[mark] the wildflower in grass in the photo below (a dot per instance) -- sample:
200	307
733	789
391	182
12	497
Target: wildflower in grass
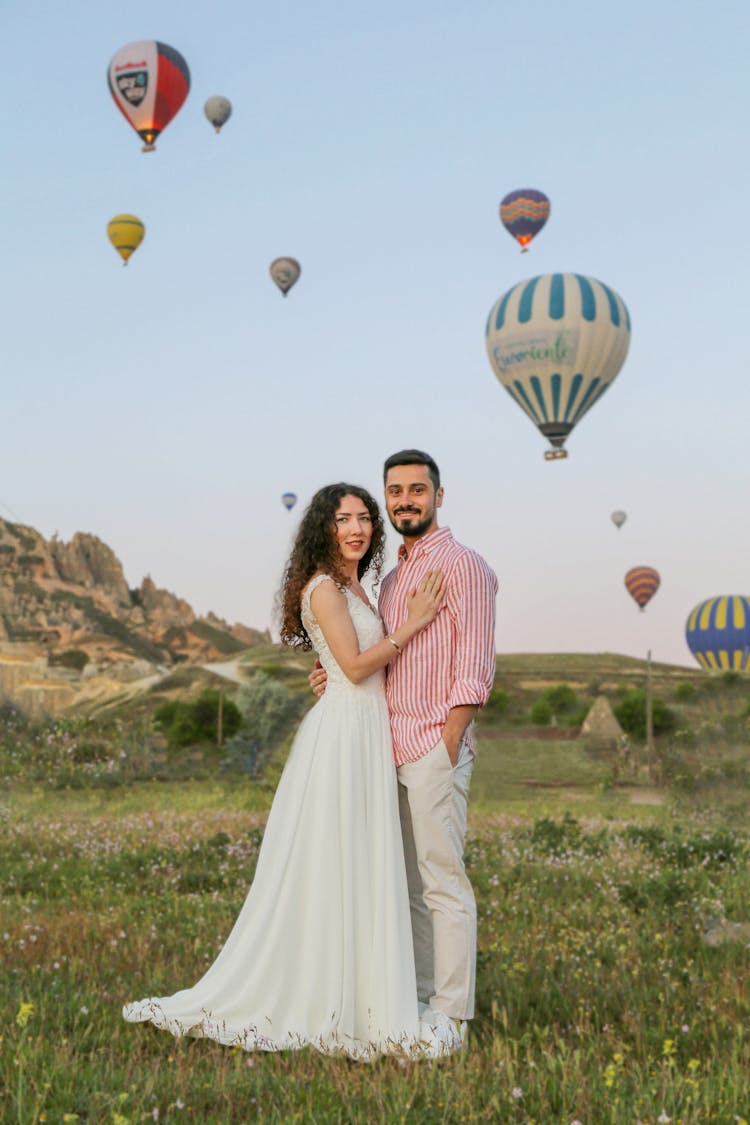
693	1065
668	1051
24	1014
69	1117
516	1092
663	1119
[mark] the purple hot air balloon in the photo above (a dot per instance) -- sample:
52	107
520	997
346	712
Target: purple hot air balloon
523	214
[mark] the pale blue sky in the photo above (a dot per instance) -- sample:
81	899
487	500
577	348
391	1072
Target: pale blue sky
167	406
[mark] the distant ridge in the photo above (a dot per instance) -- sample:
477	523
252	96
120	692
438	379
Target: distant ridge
70	604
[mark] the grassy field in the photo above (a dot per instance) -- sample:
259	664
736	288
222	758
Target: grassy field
612	974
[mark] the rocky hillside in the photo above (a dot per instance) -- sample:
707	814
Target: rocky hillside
71	603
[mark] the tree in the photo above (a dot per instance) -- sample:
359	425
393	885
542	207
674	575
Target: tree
185	724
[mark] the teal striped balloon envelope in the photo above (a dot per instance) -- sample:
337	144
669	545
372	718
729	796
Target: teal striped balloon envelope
556	343
718	632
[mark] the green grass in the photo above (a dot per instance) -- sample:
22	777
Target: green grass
597	999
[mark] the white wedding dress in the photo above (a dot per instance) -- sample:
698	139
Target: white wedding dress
321	953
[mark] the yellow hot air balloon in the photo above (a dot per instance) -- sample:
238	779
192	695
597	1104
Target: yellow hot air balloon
125	232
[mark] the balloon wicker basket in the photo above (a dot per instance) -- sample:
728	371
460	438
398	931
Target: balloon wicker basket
555	454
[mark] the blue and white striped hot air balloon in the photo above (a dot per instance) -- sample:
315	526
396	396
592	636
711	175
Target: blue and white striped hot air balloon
718	633
556	343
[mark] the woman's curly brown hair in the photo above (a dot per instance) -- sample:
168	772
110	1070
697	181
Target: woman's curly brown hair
315	548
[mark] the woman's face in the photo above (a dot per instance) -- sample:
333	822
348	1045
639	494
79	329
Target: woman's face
353	528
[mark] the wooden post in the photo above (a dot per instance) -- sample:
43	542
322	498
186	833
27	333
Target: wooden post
649	720
220	719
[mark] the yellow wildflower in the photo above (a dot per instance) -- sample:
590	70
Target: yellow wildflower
24	1014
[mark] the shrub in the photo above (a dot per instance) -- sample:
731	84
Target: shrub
541	713
497	704
685	693
558	704
631	714
267	708
561	698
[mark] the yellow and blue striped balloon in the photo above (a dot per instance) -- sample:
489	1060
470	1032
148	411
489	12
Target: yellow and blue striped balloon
556	343
718	633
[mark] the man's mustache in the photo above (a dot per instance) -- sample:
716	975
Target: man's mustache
406	511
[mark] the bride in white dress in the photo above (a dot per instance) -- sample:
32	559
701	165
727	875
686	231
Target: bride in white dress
321	953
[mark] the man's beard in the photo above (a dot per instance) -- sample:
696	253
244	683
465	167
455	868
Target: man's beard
416	529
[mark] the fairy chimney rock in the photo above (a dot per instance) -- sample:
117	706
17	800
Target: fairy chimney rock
600	727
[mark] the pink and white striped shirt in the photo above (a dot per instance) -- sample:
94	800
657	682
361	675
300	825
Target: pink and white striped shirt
452	661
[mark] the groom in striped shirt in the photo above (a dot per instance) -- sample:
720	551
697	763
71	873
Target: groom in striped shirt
435	688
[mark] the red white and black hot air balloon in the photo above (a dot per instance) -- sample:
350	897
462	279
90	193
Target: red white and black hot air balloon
149	81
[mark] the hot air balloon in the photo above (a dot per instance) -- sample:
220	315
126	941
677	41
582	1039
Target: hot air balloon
149	81
289	499
556	343
285	273
718	632
523	213
618	519
642	582
125	232
218	111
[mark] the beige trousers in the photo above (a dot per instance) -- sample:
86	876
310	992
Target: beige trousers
433	799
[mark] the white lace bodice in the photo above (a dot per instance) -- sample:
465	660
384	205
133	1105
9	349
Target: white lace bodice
367	625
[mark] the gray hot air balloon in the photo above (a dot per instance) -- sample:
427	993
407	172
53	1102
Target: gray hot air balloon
285	272
618	519
218	110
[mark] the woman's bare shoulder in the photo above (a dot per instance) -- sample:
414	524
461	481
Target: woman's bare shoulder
323	591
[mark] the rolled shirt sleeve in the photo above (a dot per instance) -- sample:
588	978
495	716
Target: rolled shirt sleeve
473	594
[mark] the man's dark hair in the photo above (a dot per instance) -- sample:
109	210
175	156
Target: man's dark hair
413	457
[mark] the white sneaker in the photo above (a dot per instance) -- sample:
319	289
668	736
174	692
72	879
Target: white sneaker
444	1036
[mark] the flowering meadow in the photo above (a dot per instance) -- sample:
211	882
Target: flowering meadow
612	982
614	937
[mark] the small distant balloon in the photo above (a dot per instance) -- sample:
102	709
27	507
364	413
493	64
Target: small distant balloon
618	519
218	110
125	232
642	582
285	273
718	633
523	213
289	499
148	81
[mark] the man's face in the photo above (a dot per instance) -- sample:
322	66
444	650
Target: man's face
411	500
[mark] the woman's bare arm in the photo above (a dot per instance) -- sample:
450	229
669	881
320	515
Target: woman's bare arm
330	608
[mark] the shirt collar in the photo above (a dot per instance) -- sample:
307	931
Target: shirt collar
425	544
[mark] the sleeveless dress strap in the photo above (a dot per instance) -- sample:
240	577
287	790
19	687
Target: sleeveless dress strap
312	585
